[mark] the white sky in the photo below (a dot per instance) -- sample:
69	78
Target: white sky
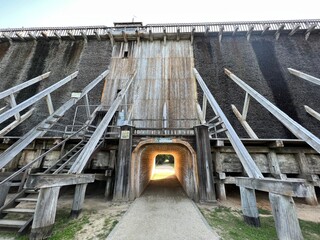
41	13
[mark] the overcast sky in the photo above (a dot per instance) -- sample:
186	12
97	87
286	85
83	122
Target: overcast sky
42	13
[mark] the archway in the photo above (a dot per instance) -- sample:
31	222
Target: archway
142	165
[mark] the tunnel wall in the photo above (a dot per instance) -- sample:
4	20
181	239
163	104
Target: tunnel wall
21	61
262	63
143	163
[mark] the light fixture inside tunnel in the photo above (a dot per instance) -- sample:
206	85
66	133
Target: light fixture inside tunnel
163	167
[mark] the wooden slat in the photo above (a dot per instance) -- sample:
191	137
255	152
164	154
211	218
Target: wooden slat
12	223
18	210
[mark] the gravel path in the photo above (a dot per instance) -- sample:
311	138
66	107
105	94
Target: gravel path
163	212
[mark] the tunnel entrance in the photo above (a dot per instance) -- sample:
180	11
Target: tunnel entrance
145	156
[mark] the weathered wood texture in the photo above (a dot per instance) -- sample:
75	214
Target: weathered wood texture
205	168
122	170
249	207
57	180
4	189
78	200
45	213
286	220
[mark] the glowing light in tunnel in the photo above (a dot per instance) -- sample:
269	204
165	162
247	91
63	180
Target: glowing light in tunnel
162	171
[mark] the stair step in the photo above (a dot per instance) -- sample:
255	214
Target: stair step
26	200
15	184
12	223
32	191
18	210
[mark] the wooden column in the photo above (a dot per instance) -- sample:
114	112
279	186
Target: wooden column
78	200
4	189
204	160
45	213
109	184
122	168
286	220
220	186
249	207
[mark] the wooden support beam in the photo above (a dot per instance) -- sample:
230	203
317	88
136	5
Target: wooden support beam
15	123
304	76
298	130
44	34
49	104
45	213
6	36
57	180
294	29
178	34
192	35
164	36
221	29
84	35
265	29
122	177
204	161
111	37
274	166
97	35
71	36
200	114
87	105
150	35
246	106
4	190
13	104
204	106
138	36
309	30
246	160
249	207
235	30
278	32
36	97
244	123
32	36
125	36
23	85
20	37
292	188
312	112
250	30
207	29
286	220
78	200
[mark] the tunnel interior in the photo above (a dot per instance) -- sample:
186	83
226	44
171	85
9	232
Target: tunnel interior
144	162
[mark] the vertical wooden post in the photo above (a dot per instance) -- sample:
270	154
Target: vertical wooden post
45	213
4	189
274	166
108	191
204	160
285	217
249	207
78	200
220	186
122	168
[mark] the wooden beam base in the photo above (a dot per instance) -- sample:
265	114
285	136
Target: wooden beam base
249	207
78	200
285	217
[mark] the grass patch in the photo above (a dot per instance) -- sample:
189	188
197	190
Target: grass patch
230	225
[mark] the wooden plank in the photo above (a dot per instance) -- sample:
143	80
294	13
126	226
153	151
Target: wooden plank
293	188
19	210
304	76
312	112
57	180
11	223
45	213
286	220
274	166
78	200
249	207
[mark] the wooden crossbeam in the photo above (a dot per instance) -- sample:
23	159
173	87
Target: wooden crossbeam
39	181
292	188
304	76
312	112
